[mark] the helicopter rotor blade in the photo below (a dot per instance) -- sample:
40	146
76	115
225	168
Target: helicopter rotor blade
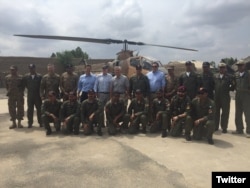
102	41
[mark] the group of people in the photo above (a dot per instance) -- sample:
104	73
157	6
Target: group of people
190	103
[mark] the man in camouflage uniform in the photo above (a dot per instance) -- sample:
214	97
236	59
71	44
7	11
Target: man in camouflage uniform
190	80
50	82
139	81
160	111
179	111
90	114
207	79
224	83
138	111
32	82
115	111
242	98
68	82
172	83
70	114
50	112
15	92
202	114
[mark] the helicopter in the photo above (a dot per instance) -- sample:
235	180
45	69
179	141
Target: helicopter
125	58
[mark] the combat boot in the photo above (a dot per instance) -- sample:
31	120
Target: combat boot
210	141
99	133
13	126
19	125
164	133
188	138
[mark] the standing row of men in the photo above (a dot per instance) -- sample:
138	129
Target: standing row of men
150	86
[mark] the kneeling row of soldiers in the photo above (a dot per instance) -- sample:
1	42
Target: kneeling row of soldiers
168	116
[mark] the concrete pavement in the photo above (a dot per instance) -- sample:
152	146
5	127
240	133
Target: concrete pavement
30	159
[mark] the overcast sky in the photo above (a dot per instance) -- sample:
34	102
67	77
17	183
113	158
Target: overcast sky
218	28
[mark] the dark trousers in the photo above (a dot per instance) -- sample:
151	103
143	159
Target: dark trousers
47	120
34	102
84	96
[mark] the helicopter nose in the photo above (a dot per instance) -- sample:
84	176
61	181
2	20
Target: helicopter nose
163	70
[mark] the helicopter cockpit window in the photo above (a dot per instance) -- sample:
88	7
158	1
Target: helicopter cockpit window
147	65
134	62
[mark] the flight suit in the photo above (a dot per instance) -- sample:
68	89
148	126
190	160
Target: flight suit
112	111
242	101
71	110
140	111
207	81
50	83
179	106
51	108
206	111
15	93
87	108
161	108
139	82
68	83
223	86
32	83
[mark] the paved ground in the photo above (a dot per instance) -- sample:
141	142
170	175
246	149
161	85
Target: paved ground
30	159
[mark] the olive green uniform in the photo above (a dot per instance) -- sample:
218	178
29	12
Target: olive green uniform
191	82
180	106
223	86
139	82
160	107
68	83
112	111
50	83
71	110
242	101
140	110
51	108
32	83
15	93
171	86
87	108
205	110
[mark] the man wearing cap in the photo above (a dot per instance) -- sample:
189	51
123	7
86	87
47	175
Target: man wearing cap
190	80
70	114
207	79
102	89
202	114
138	111
86	82
179	111
160	112
224	83
15	91
90	114
172	80
32	81
115	110
68	82
50	82
51	112
139	81
242	102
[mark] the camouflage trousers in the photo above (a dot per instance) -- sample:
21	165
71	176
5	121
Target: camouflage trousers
16	107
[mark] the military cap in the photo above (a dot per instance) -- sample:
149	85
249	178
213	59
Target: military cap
202	90
188	63
240	62
222	65
138	67
205	64
13	67
32	66
91	91
105	67
182	89
170	67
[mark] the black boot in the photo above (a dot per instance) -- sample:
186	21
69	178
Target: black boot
164	133
210	141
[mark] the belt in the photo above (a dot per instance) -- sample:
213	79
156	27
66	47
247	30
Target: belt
104	92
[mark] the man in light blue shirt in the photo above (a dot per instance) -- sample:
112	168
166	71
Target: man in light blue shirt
102	88
157	81
86	82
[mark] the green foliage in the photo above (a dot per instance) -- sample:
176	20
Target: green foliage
66	57
229	61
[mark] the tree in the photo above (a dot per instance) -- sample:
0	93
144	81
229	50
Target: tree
66	57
